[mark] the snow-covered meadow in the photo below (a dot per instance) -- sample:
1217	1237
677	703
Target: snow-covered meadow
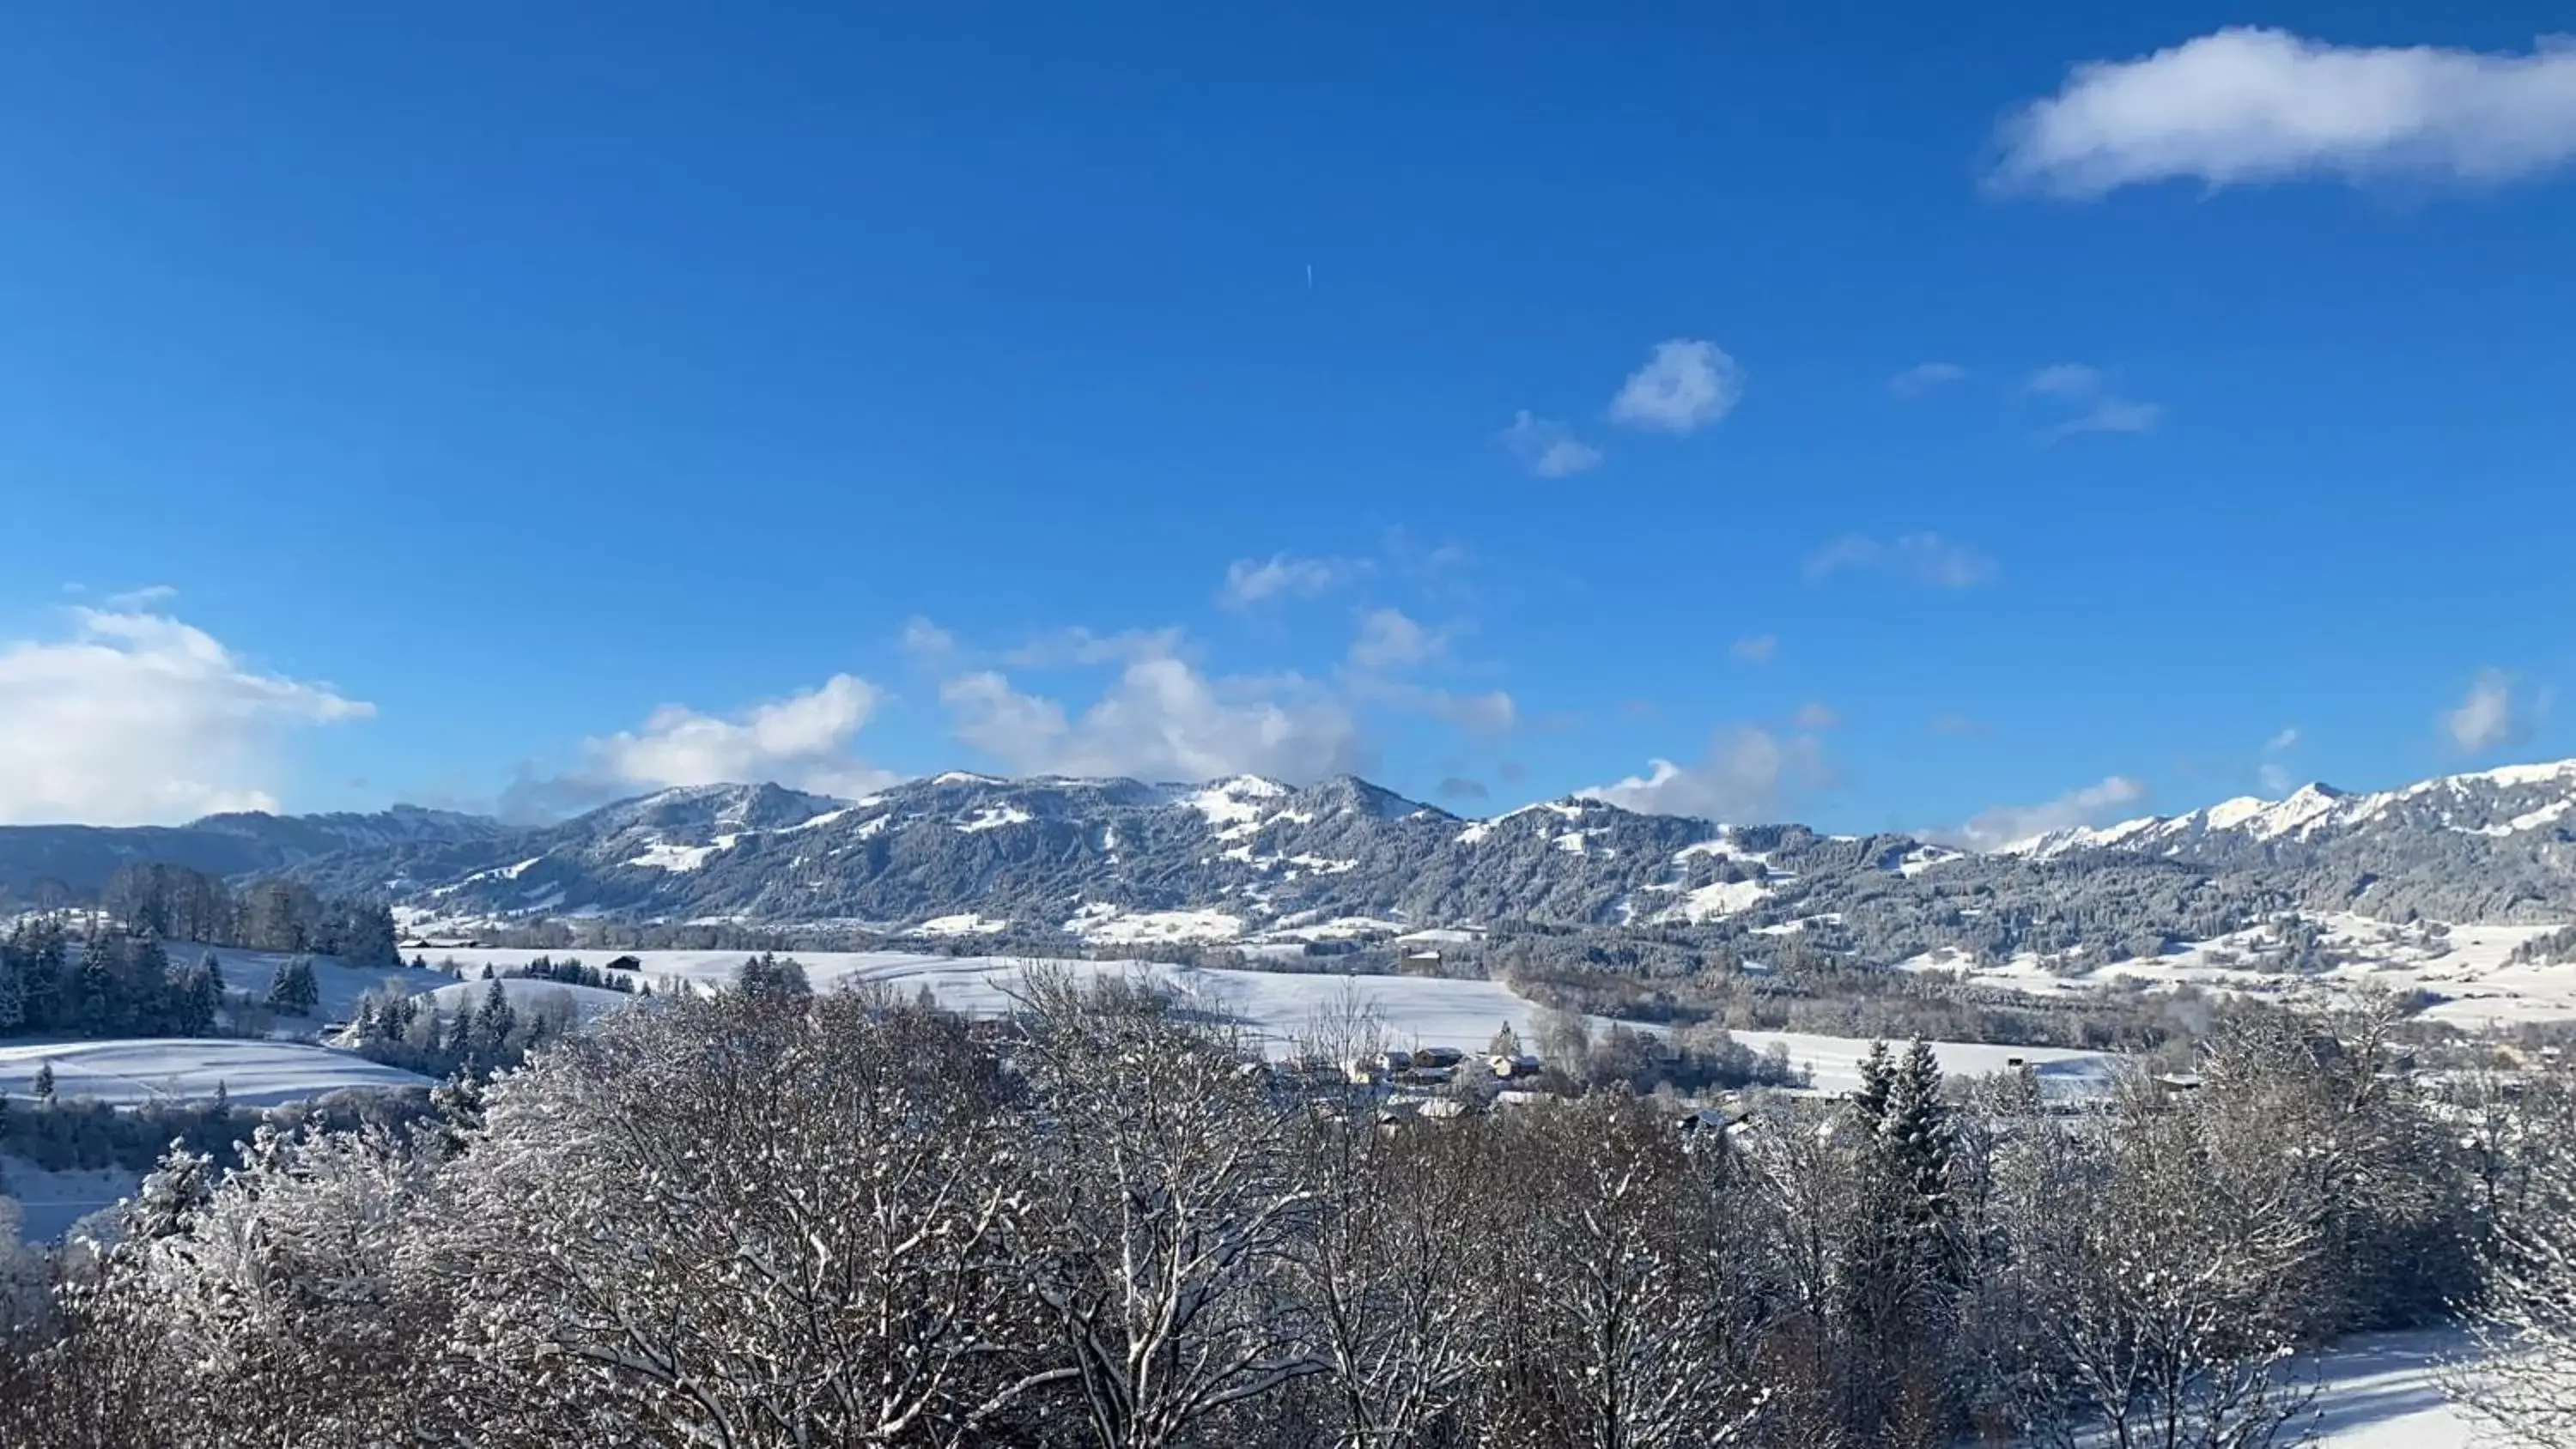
1276	1008
2468	967
130	1073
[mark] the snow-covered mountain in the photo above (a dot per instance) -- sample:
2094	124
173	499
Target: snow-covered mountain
2500	803
1058	860
77	859
2494	845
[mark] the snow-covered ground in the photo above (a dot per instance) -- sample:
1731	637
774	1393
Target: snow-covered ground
1835	1060
2466	966
2380	1392
1275	1006
187	1069
526	995
340	985
50	1202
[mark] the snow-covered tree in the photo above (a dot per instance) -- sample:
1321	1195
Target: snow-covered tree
1166	1211
292	989
2522	1381
750	1221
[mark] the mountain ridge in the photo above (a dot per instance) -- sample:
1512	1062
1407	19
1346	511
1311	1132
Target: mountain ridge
1244	859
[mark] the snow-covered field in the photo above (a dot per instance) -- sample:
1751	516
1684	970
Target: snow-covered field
1274	1006
526	995
188	1069
1835	1060
2381	1392
50	1202
2465	966
340	985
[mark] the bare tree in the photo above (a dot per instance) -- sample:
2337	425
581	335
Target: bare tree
2522	1379
762	1218
1388	1272
2161	1296
1166	1214
1617	1311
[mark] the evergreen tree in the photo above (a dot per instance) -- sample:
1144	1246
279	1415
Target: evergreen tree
44	1084
771	975
1506	1043
293	990
459	1103
460	1034
40	952
167	1204
13	995
204	996
495	1023
1877	1080
98	1003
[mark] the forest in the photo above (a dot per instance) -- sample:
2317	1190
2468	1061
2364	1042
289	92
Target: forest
767	1217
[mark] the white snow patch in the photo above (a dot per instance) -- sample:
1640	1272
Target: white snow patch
1722	898
1102	922
662	855
967	924
994	817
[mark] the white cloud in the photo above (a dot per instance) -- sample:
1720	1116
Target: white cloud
1078	645
146	600
2245	105
1391	639
1546	447
2487	717
1161	720
2109	415
929	645
1684	386
2271	773
2091	805
2066	379
1491	713
1923	558
2100	409
1749	774
1281	576
1924	377
802	741
1815	714
137	717
1755	648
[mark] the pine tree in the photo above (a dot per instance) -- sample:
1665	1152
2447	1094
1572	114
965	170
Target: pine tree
1506	1043
13	994
496	1022
774	976
293	990
45	1084
1877	1080
459	1103
167	1204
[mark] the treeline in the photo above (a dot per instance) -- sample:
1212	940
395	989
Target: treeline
57	1135
110	983
272	914
771	1219
411	1031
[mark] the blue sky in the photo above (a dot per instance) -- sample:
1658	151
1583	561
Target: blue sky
1874	416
